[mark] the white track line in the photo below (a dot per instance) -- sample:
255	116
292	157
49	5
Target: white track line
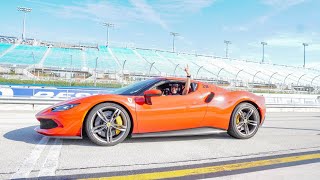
51	163
27	166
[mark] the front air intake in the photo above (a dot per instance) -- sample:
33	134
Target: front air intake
47	124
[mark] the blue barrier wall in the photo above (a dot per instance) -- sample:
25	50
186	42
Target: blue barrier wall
50	92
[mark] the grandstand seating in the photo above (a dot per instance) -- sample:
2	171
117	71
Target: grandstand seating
138	61
4	47
133	62
176	59
160	64
104	62
22	54
63	57
218	68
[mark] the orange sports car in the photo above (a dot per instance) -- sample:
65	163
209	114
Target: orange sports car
146	107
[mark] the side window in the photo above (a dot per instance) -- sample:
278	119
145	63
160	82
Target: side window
174	87
164	88
171	88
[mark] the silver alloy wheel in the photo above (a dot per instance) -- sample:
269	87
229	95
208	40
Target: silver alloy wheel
104	126
248	122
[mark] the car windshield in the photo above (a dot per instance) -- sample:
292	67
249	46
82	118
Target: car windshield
133	89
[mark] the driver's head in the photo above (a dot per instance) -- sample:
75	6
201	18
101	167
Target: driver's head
174	88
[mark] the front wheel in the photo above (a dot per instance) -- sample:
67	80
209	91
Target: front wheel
108	124
244	122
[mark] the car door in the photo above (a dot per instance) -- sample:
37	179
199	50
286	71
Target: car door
171	112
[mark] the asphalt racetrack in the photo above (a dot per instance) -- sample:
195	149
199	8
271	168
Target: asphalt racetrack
287	146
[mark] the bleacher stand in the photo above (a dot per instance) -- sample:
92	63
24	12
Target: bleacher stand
140	63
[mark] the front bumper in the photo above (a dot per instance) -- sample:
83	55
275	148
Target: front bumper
65	123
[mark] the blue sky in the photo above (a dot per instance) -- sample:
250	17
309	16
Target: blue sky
203	25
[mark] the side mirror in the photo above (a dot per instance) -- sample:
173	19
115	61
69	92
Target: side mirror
149	93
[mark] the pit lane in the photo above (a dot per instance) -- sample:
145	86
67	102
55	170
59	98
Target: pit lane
26	154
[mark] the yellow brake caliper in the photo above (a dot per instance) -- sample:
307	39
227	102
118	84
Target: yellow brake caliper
119	122
238	119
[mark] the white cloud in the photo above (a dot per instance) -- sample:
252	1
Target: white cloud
43	3
148	12
99	11
285	41
185	40
313	47
282	4
287	48
157	12
278	7
183	5
291	40
235	28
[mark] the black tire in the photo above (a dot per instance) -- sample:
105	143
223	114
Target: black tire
103	133
240	123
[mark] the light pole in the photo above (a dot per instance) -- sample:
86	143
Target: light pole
173	34
304	54
95	73
227	46
108	25
25	10
71	70
34	68
263	44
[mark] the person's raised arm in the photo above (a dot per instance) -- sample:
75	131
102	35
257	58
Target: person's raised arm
188	82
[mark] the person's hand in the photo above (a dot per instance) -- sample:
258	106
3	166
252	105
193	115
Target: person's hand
186	69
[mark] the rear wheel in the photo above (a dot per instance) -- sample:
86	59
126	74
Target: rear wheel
244	122
108	124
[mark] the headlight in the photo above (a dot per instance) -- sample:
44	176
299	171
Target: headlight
63	107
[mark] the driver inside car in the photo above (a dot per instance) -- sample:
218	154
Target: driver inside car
175	87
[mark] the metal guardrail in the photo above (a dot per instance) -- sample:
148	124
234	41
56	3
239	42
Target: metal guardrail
292	101
291	106
30	100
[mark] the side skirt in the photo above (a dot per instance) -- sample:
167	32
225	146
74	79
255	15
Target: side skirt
66	137
185	132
